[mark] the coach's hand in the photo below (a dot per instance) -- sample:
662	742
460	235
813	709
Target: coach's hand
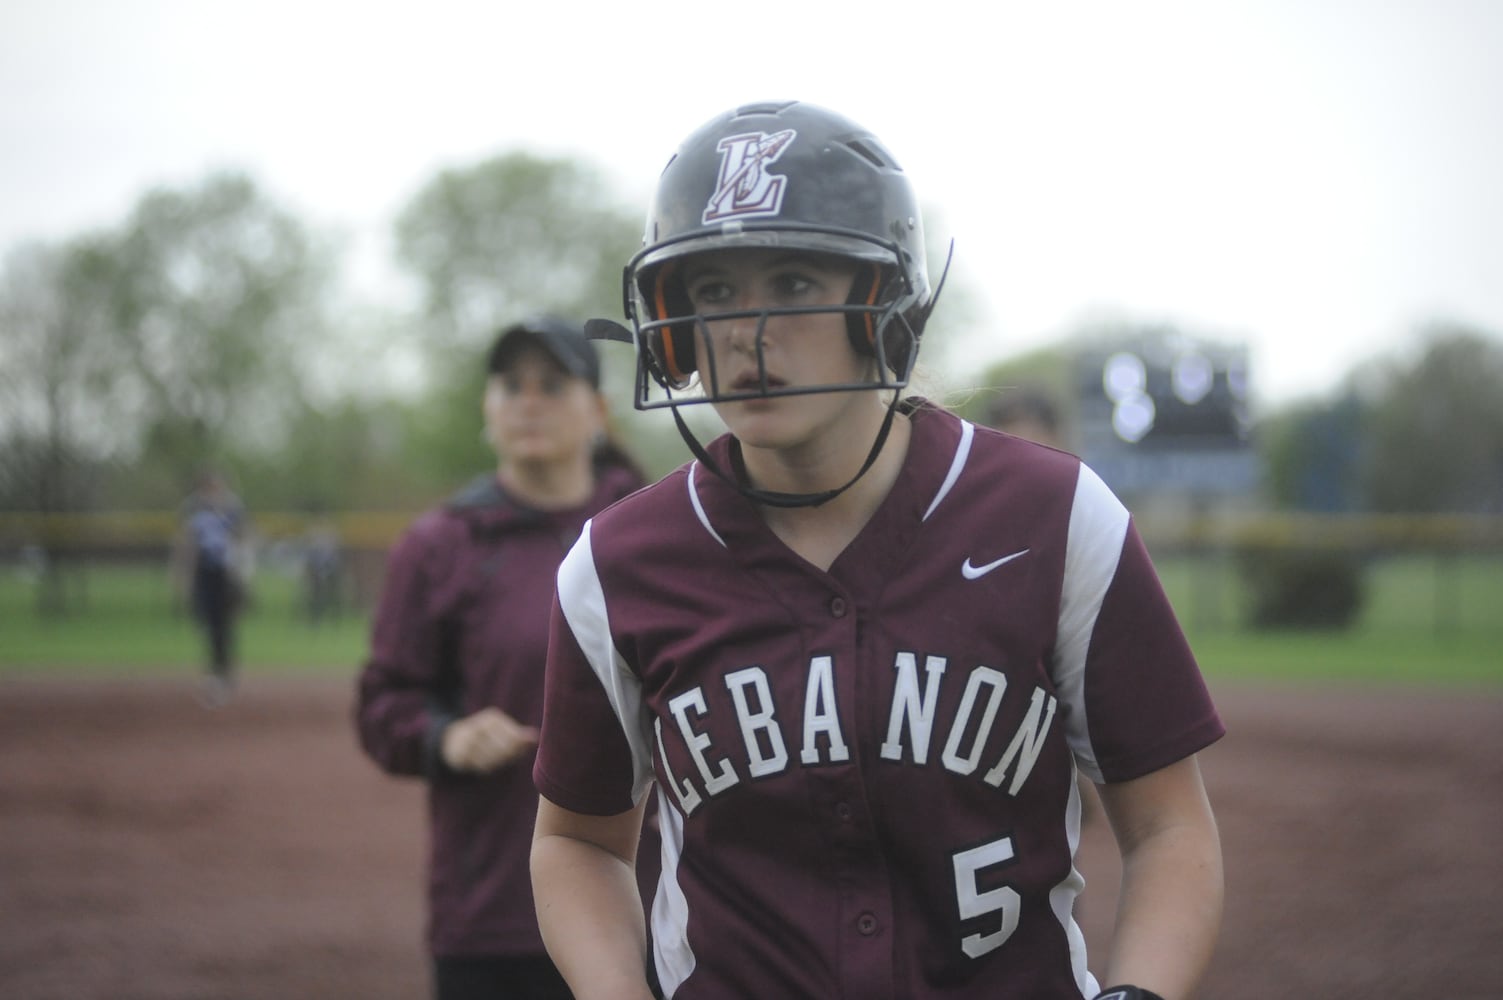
486	741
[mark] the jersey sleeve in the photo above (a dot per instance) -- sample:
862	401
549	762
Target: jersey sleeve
400	703
1138	700
594	754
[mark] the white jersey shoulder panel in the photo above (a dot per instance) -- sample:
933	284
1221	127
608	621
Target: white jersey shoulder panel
582	600
1098	528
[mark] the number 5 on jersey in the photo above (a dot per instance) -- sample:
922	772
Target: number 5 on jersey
974	902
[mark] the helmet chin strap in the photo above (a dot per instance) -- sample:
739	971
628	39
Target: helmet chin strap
772	498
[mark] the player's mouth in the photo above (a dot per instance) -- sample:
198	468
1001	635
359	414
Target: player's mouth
751	382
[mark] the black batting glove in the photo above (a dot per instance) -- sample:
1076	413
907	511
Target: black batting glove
1127	993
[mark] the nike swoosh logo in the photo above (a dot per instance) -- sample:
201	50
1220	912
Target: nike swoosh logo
977	572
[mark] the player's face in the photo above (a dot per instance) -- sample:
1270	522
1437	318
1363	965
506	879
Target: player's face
535	412
797	350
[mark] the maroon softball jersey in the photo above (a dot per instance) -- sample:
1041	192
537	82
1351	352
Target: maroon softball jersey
866	776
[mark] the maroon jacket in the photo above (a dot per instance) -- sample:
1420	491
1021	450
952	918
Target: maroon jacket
462	624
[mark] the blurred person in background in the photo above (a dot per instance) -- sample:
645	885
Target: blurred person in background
1028	412
211	565
323	570
452	691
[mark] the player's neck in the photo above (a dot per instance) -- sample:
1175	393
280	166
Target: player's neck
819	534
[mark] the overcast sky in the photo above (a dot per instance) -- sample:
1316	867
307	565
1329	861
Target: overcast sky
1313	177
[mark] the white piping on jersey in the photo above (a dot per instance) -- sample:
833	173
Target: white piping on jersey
699	509
1062	897
1098	528
582	601
962	450
671	953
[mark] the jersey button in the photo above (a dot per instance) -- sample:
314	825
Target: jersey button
837	607
843	811
867	924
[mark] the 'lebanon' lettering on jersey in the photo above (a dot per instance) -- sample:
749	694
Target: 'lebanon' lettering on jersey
867	775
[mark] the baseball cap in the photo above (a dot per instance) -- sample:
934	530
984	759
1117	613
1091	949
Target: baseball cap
565	343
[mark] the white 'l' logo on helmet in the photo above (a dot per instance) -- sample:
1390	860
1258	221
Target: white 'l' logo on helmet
745	187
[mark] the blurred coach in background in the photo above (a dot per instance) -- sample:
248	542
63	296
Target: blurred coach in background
453	689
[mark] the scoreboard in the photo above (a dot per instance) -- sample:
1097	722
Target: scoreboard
1166	414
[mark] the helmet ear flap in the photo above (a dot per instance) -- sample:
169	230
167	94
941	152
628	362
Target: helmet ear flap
861	326
671	346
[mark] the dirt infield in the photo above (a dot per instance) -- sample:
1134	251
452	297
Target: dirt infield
150	848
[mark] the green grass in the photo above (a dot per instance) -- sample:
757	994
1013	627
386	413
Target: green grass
1412	593
1426	621
1445	594
126	621
1416	657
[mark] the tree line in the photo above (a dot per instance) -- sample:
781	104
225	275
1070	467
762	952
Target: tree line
211	327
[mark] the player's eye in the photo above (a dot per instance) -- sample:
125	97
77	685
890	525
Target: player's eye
709	292
789	285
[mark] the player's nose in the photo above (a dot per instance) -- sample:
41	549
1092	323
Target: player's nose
737	332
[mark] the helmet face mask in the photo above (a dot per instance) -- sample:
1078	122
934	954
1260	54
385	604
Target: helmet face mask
786	176
670	349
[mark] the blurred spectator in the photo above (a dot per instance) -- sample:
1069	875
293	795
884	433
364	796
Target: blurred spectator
213	566
1027	412
323	572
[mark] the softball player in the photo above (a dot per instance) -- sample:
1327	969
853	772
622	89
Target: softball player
453	689
210	556
859	647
